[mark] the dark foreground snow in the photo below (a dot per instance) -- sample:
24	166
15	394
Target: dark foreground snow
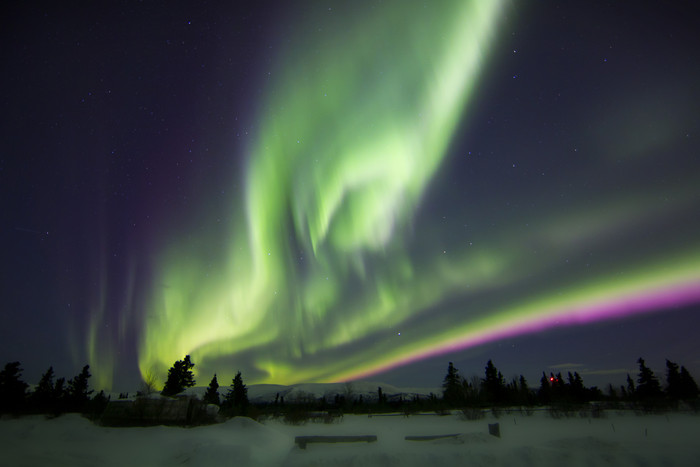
537	440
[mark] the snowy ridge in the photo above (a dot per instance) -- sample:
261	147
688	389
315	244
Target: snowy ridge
262	393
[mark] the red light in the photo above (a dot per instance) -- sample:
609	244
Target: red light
551	379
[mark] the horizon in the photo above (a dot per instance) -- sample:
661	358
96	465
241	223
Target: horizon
533	383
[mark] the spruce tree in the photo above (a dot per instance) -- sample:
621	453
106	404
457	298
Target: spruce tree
212	394
240	391
180	376
523	390
559	390
544	394
673	381
97	405
689	388
493	384
630	387
577	390
623	393
59	391
648	386
469	392
452	386
236	401
78	392
13	391
43	396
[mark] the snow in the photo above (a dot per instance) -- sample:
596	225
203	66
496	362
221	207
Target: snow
619	439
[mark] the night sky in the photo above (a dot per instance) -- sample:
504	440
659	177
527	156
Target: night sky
327	191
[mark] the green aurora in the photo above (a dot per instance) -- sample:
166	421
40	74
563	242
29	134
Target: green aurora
322	274
351	134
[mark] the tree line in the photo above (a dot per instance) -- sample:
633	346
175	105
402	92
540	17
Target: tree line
493	390
56	395
180	377
51	396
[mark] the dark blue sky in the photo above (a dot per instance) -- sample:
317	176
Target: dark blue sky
126	131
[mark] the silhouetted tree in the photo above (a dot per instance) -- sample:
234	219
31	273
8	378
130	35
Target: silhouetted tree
236	400
43	396
59	395
559	389
524	396
493	385
381	397
648	386
212	394
631	389
13	391
689	388
78	392
544	393
180	376
452	386
97	405
623	392
577	390
470	390
673	381
594	394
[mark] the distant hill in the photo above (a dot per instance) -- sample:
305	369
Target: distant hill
261	393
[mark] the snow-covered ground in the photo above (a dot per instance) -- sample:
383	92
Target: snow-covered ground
537	440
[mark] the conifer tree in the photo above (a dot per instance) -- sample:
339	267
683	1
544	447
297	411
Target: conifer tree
212	394
623	392
236	401
78	392
558	386
689	388
493	384
673	381
648	386
576	388
43	395
452	385
13	390
544	394
631	389
469	391
180	376
523	391
97	405
59	391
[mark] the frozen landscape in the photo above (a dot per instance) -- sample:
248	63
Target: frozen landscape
616	439
278	200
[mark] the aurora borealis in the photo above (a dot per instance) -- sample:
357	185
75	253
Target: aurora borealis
341	161
325	192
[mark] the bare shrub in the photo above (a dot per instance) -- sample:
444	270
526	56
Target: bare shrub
471	413
296	417
149	385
